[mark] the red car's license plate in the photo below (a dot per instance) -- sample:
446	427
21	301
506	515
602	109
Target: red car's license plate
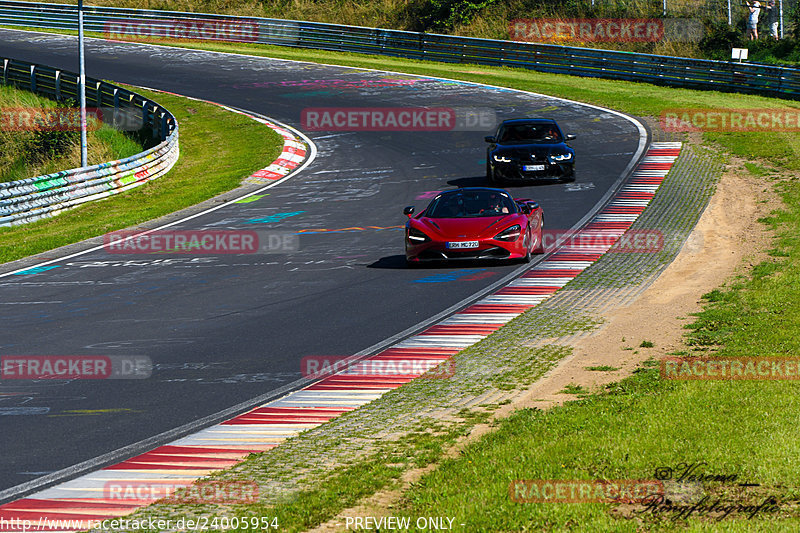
462	244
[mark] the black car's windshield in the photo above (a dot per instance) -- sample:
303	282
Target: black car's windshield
464	204
529	133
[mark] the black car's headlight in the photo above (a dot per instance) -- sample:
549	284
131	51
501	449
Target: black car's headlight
501	159
561	157
509	234
415	236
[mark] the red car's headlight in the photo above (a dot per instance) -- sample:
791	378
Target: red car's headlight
509	234
415	236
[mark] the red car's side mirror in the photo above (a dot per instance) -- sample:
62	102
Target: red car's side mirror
408	211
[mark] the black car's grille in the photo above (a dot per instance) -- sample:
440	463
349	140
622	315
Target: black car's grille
531	157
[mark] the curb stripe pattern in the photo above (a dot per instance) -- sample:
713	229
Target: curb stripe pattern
292	155
217	447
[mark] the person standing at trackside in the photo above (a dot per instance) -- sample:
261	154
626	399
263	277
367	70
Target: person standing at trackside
772	19
752	19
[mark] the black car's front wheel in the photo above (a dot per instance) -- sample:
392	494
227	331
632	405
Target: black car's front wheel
491	176
568	174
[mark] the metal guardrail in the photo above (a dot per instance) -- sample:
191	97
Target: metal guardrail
664	70
32	199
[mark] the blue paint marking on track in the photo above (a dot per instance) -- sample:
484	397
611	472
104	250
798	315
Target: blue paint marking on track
35	270
277	217
448	276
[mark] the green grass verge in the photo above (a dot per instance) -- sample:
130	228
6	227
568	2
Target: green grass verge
640	425
28	153
218	150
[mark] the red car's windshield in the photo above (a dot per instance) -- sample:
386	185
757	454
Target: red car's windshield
466	203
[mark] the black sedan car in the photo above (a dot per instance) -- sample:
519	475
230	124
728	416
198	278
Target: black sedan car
526	149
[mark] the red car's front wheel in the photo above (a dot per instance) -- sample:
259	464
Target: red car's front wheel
528	246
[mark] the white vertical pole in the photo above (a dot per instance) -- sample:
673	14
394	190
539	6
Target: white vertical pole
82	85
730	21
780	3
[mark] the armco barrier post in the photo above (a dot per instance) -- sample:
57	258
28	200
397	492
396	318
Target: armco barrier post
164	126
58	85
145	116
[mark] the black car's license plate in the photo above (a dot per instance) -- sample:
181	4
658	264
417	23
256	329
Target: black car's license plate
532	168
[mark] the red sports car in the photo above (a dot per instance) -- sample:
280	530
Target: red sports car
474	223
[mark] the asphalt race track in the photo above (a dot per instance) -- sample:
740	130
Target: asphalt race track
223	329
